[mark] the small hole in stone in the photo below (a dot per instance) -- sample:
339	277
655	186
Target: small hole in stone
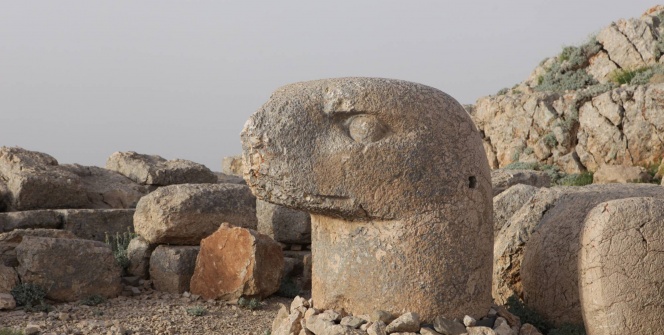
472	181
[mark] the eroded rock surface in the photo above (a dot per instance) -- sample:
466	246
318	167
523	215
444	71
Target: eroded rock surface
156	170
171	267
549	271
107	189
283	224
620	265
235	262
185	214
383	166
502	179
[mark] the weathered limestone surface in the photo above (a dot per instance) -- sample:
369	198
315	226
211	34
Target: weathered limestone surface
235	262
36	181
171	267
185	214
9	241
583	129
549	271
502	179
94	224
156	170
232	165
620	267
607	174
283	224
47	219
8	278
107	189
509	202
69	269
382	166
138	253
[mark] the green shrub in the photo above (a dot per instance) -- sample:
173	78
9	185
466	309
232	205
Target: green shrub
9	331
640	76
550	140
568	329
93	300
288	288
580	179
197	310
527	315
28	295
119	244
503	91
250	304
521	166
568	71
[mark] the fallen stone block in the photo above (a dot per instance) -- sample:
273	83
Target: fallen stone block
171	267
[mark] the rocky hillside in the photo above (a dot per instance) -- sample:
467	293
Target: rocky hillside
595	104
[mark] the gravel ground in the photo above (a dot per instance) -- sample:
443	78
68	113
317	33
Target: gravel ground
150	312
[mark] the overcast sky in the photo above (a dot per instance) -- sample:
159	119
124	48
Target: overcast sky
80	80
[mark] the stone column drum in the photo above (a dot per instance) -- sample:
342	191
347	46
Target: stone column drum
399	190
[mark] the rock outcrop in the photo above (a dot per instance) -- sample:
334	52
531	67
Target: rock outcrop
235	262
573	112
418	231
607	174
185	214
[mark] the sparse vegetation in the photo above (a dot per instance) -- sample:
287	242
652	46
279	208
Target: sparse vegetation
9	331
93	300
568	71
249	304
503	91
197	310
576	179
640	76
550	140
288	288
31	296
119	244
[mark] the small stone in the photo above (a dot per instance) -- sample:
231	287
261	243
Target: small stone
31	329
63	316
377	328
501	327
186	294
480	331
331	315
408	322
299	304
194	297
528	329
428	331
448	327
511	319
365	326
352	321
492	312
380	315
7	301
469	321
135	291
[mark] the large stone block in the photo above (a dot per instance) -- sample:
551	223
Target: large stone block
549	270
283	224
171	267
156	170
95	224
235	262
607	174
185	214
107	189
36	181
69	269
621	267
43	218
9	241
398	185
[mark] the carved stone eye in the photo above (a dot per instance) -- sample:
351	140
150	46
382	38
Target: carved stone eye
366	129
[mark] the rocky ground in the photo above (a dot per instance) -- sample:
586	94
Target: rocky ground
151	312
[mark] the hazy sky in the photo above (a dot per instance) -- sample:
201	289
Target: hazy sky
82	79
